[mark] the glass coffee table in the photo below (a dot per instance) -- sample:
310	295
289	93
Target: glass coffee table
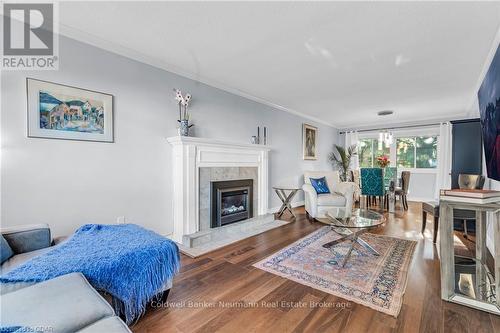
350	225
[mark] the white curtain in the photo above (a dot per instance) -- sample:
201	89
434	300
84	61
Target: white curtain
443	176
351	138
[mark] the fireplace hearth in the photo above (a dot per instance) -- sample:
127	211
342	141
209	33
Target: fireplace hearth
231	201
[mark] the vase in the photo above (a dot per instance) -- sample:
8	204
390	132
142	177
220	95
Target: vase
184	128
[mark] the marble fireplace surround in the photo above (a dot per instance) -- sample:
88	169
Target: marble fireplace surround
210	174
192	156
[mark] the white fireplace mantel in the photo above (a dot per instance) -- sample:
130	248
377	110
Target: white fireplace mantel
189	155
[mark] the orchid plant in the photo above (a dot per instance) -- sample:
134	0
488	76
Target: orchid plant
183	102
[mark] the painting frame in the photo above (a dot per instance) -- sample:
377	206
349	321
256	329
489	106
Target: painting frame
101	131
309	140
488	97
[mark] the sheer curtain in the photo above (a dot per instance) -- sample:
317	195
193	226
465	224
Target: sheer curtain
443	176
351	138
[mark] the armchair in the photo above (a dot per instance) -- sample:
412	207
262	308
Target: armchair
341	195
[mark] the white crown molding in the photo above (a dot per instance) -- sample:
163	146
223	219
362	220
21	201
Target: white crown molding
487	62
110	46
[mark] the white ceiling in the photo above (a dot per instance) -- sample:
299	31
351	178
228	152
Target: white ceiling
335	62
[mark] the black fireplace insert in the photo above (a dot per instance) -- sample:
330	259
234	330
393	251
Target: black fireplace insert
231	201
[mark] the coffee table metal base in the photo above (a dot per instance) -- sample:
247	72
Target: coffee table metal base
353	237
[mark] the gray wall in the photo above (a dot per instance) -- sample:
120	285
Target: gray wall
68	183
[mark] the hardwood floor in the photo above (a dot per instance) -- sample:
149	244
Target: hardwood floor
196	302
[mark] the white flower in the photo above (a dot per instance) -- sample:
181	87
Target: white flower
184	101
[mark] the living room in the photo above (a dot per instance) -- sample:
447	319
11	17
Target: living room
249	166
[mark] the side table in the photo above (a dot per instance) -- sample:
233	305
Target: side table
485	282
286	198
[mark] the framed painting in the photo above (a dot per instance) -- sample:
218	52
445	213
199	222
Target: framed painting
309	137
489	110
57	111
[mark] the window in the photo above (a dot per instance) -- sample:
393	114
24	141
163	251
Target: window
426	152
409	152
368	151
417	152
365	155
405	153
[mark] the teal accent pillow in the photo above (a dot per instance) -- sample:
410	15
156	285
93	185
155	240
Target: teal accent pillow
320	185
6	251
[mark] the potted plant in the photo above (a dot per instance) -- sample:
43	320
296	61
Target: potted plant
341	159
184	116
383	161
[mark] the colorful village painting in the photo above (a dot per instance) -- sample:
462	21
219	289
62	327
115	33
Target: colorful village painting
57	111
69	113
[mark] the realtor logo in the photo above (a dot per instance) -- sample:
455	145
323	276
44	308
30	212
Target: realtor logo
29	36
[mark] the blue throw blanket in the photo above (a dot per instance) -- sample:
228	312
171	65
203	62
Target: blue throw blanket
129	262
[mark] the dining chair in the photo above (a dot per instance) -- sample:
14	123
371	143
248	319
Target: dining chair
471	182
390	175
402	191
372	184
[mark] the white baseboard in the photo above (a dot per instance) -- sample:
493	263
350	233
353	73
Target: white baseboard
274	210
420	199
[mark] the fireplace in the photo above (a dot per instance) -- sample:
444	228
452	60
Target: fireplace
231	201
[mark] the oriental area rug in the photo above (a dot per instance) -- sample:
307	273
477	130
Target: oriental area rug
378	282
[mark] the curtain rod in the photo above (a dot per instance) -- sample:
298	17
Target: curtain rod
390	128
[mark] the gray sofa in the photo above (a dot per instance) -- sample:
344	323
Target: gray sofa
65	304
